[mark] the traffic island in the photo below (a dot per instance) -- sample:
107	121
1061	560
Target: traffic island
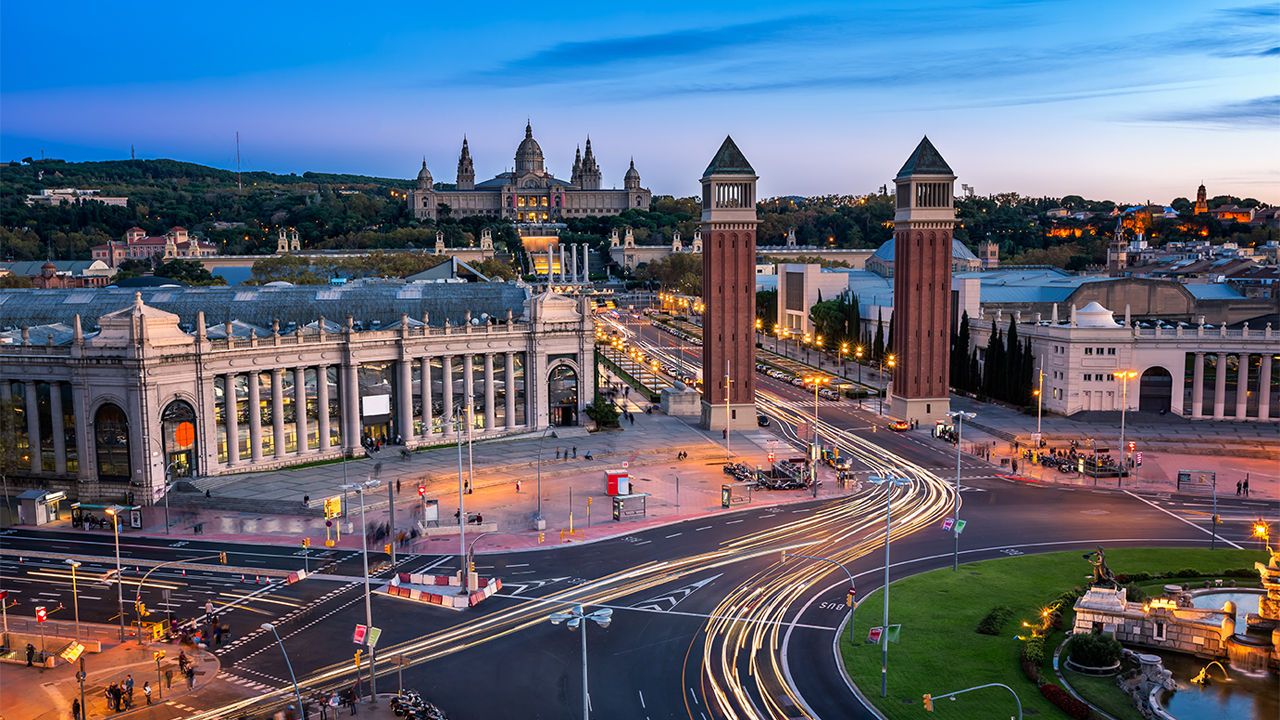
441	590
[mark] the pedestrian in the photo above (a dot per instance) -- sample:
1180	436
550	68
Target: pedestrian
724	433
575	452
377	469
557	452
632	418
306	499
208	608
1246	487
397	486
1015	465
110	693
1238	486
168	678
182	661
75	709
191	676
217	635
128	685
31	653
588	455
334	703
517	487
479	518
146	690
351	700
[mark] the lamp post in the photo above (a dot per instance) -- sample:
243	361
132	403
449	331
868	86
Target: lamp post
853	605
575	619
858	356
890	481
1040	400
813	459
1125	377
114	512
269	626
960	417
844	350
539	521
817	343
75	595
368	613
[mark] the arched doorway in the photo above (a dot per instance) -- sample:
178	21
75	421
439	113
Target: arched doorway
111	443
178	423
1156	390
562	396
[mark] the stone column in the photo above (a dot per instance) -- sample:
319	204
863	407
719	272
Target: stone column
1220	388
562	264
573	251
277	410
33	425
59	432
1264	387
426	396
510	396
488	393
255	418
300	408
405	401
586	274
233	418
1242	386
447	384
351	408
468	390
1197	387
322	404
550	256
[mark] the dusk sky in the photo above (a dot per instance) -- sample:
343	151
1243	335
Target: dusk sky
1130	101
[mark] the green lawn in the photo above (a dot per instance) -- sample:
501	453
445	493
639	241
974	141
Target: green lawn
939	610
1103	692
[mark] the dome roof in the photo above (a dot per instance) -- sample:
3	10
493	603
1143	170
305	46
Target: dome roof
958	251
424	173
529	154
632	172
1095	316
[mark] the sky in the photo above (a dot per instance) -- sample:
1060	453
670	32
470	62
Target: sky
1129	101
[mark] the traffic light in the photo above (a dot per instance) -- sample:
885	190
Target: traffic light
306	542
422	490
541	537
387	548
1217	520
358	652
849	597
159	655
928	702
223	557
1139	460
142	610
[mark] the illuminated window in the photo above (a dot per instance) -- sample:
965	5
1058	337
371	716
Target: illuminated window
544	202
520	202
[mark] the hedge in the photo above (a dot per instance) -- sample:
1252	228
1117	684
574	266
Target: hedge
994	622
1069	704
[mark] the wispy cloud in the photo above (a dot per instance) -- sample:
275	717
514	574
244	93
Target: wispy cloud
1262	111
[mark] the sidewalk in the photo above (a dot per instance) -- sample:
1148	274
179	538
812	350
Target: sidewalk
40	693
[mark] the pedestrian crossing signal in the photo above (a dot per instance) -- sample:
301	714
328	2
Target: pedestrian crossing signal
928	702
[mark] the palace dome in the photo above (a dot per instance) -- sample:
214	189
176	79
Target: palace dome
529	155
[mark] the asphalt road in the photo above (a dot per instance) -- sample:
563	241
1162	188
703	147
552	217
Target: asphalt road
707	616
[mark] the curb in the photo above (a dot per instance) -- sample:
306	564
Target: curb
137	562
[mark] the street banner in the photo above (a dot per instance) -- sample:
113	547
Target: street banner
374	634
947	523
873	635
358	636
960	526
72	652
894	632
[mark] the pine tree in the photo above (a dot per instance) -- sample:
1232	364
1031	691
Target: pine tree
889	343
993	368
960	355
1012	364
877	349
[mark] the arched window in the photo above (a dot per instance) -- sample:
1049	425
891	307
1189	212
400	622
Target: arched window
111	441
562	395
179	432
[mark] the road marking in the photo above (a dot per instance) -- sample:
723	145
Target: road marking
646	542
733	522
1172	515
695	699
703	528
674	535
519	565
642	698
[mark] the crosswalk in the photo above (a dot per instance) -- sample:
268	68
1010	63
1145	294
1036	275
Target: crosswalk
245	682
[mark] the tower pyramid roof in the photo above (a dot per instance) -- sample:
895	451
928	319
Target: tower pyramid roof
926	160
729	160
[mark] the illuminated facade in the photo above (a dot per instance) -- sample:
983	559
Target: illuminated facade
528	194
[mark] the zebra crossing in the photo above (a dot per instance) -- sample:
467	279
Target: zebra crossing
294	614
179	706
247	683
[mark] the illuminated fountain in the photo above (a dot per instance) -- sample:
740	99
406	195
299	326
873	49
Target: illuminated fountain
1257	649
1203	677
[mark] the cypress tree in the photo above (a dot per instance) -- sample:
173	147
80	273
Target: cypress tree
1012	364
889	342
994	365
973	370
877	347
960	355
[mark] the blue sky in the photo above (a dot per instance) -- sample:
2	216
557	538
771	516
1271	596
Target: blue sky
1123	100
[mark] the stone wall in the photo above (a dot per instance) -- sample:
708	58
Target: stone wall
1189	630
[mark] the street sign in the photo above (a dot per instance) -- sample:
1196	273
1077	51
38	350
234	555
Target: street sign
72	652
947	523
625	464
873	635
374	634
333	507
41	614
357	637
960	526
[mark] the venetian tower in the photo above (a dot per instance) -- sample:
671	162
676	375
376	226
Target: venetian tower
728	291
922	230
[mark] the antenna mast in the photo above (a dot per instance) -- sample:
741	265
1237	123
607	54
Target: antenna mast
239	185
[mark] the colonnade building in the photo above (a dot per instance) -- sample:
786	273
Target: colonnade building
205	387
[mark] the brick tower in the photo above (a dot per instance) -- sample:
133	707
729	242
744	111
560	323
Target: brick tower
922	229
728	291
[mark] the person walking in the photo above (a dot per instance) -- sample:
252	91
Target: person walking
191	676
575	452
1246	487
168	678
1238	484
75	709
146	690
397	486
128	685
31	653
517	487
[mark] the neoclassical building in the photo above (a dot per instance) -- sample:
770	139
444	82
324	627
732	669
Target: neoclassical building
529	194
146	392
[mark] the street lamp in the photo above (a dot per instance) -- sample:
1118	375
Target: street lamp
540	523
75	595
301	711
114	512
959	416
892	361
890	481
818	344
844	350
813	459
1039	401
1125	376
858	356
368	612
575	619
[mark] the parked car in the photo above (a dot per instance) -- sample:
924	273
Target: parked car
762	420
900	426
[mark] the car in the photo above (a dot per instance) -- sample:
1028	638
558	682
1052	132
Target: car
762	420
900	426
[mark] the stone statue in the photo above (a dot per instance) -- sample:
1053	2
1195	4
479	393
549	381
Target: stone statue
1102	576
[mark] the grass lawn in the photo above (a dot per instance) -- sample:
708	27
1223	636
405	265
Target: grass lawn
939	611
1104	693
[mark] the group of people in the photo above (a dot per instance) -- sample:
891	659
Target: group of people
119	696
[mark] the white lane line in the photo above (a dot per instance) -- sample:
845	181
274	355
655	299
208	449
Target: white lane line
733	522
674	535
519	565
1172	515
703	528
695	698
646	542
642	699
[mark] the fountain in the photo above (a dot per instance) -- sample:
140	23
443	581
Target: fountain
1203	677
1257	649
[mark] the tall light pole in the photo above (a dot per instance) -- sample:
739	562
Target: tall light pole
817	343
858	356
1040	400
960	417
890	482
539	522
844	350
813	460
114	512
301	711
75	596
1125	377
575	619
368	612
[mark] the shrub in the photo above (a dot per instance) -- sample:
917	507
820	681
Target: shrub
1032	671
1240	572
1135	593
1067	599
1033	650
994	622
1066	701
1055	620
1094	649
1187	573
